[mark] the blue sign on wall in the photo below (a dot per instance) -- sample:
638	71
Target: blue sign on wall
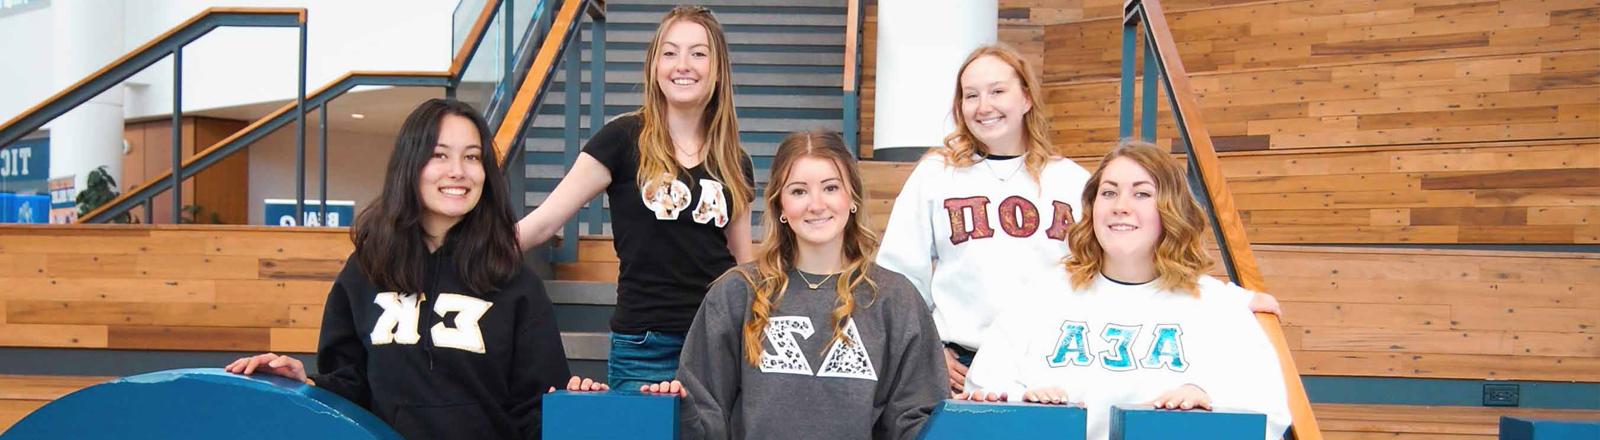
280	212
25	166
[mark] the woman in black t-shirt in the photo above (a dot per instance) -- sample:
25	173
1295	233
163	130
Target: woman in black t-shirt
680	189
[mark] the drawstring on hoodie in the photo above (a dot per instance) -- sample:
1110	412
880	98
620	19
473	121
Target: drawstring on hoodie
427	312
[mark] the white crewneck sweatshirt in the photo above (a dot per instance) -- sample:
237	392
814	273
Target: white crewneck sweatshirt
974	239
1115	343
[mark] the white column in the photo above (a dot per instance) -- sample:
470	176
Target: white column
87	35
921	44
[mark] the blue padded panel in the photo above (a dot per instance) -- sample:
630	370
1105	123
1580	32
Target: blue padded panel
1516	428
964	420
200	403
610	415
1146	423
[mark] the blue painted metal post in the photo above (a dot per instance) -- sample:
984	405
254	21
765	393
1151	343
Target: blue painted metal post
177	135
1130	55
149	210
1152	74
508	44
569	241
300	137
597	107
322	162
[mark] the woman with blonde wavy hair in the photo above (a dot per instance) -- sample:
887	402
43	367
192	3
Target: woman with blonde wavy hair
680	188
1141	322
996	192
812	339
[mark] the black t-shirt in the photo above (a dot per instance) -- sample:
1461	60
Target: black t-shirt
672	244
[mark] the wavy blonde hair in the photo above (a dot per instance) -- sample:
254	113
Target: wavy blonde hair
769	276
720	124
1180	253
961	146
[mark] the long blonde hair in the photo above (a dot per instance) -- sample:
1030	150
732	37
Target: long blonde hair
961	146
1180	252
726	160
776	254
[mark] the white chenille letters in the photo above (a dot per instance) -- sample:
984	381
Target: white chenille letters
401	314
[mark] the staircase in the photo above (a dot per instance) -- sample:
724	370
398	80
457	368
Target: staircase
788	60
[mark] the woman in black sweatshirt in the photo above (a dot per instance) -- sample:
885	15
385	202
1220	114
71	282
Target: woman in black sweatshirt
434	324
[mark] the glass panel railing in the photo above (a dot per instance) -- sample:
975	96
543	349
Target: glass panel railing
487	67
461	21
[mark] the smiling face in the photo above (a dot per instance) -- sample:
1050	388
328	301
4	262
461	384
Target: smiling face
1127	220
993	103
683	64
451	181
816	202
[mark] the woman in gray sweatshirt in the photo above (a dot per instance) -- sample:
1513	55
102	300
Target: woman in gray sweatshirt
812	340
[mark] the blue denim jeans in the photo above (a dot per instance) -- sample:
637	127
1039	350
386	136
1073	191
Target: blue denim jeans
642	358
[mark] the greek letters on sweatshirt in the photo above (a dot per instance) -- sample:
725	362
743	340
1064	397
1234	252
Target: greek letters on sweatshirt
973	240
1127	344
881	385
446	363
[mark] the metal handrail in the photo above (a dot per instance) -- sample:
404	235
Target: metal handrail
851	84
1145	17
511	130
171	179
170	43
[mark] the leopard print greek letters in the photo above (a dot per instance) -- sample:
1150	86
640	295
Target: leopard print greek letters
847	358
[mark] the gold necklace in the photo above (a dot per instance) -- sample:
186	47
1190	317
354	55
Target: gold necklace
810	284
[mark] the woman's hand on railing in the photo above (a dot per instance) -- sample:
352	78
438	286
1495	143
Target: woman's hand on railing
977	395
1187	396
270	363
1045	395
672	387
1265	303
584	384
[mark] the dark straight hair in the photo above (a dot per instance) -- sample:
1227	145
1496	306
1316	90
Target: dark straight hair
389	240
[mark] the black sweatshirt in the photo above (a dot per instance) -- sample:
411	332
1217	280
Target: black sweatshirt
431	370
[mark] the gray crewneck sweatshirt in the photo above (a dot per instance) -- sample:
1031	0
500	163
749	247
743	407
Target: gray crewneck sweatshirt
882	387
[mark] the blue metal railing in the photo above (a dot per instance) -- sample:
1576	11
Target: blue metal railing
1163	67
545	72
497	17
168	44
852	76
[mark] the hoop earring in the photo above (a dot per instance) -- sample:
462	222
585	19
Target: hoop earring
783	219
852	209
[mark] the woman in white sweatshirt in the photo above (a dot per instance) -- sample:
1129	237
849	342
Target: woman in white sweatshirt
981	219
1134	319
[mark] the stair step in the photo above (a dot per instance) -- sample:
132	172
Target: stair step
586	345
557	98
775	125
768	3
569	292
588	271
740	16
636	76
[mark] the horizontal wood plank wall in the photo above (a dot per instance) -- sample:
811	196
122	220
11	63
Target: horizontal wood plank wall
1398	422
140	287
1407	313
1371	121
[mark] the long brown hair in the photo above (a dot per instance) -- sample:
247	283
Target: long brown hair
1180	252
961	146
388	235
725	163
776	254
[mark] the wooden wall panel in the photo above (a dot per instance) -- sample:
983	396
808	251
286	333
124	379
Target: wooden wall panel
1301	33
166	287
1411	313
